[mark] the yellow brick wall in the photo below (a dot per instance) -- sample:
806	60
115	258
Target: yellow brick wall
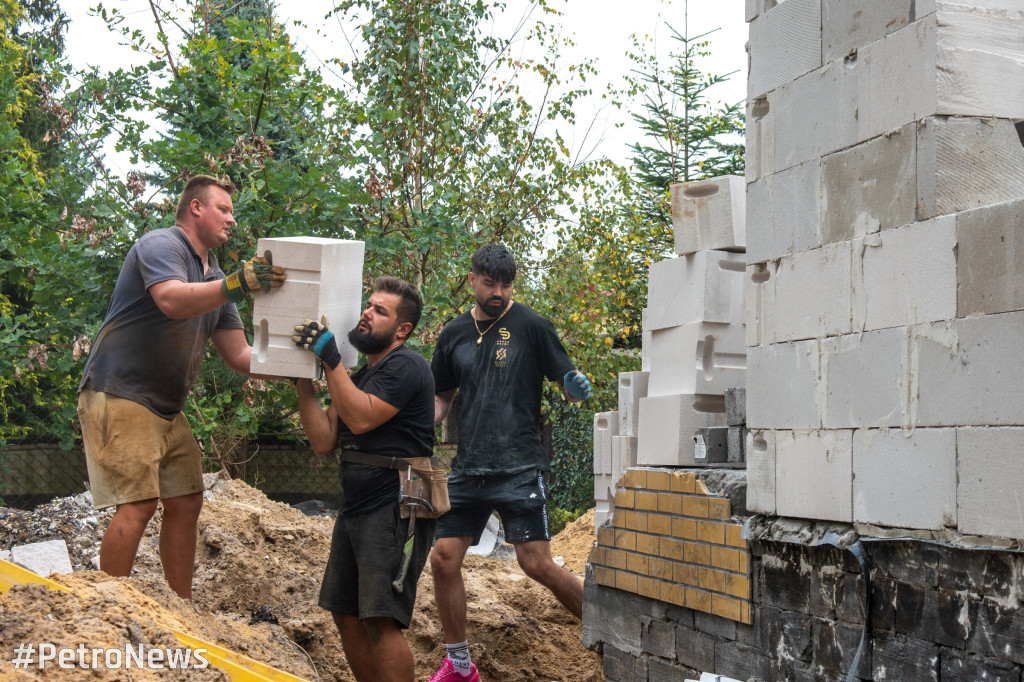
669	539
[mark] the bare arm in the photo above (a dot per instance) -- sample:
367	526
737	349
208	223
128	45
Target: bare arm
443	404
181	300
233	347
321	426
360	411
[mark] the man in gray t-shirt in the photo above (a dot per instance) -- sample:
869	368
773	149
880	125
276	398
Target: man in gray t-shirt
171	297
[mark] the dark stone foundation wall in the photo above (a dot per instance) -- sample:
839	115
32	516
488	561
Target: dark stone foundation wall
936	613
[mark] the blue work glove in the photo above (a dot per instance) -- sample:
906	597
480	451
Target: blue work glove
576	385
315	336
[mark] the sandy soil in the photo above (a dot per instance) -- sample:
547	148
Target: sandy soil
259	565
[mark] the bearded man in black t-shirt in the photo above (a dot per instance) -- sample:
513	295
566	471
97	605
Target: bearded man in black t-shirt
496	356
384	411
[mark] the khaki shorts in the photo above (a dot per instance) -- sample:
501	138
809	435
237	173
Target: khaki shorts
133	454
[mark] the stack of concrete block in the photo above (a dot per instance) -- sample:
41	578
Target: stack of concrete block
324	278
694	343
615	442
885	284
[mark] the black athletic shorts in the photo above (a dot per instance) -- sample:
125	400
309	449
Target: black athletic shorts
520	500
366	555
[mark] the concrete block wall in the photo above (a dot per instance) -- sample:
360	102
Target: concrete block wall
325	276
885	284
672	540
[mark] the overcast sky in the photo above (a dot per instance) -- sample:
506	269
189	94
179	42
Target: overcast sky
600	28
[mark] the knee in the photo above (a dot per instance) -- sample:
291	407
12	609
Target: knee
537	568
184	505
137	513
445	560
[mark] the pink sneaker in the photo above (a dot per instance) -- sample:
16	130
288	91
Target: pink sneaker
446	673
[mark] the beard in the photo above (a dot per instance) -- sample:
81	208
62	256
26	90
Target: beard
493	306
369	343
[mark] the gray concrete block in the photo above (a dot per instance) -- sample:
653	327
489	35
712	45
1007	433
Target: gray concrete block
736	406
964	163
907	275
905	479
324	277
785	43
709	214
813	293
968	372
43	558
632	387
782	389
611	617
847	26
816	114
783	213
990	259
699	359
759	295
864	379
760	453
606	425
667	425
814	474
737	446
990	481
701	287
869	187
623	454
760	142
711	446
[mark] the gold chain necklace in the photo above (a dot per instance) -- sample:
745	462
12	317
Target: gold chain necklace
480	338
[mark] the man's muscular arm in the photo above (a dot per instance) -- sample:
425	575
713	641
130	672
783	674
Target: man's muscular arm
321	426
182	300
443	404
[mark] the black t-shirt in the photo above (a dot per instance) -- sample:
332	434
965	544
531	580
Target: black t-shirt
402	379
499	382
140	353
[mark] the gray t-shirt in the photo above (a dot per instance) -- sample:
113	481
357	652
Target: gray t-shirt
140	353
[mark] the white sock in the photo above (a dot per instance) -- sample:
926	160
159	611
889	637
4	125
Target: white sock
458	654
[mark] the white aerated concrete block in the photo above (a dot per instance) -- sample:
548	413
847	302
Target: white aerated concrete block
813	293
905	479
783	213
624	450
324	277
700	287
667	425
43	558
968	372
709	214
864	379
990	259
814	474
847	26
759	294
603	513
907	275
816	114
760	129
760	449
606	425
783	385
989	498
604	488
963	163
699	359
869	187
785	43
632	387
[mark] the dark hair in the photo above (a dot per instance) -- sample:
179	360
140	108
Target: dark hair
410	306
494	261
197	187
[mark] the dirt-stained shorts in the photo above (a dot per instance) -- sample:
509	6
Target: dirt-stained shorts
366	555
133	454
520	500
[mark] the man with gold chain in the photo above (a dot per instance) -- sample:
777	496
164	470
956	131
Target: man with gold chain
496	356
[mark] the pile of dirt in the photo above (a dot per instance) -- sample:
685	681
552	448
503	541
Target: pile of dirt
259	565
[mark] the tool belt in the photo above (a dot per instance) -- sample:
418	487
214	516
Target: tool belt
423	486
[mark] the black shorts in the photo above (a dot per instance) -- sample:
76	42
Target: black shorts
520	499
366	555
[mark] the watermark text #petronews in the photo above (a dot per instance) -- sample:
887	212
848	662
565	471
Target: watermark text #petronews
45	654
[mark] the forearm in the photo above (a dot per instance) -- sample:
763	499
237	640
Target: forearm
442	405
354	406
316	421
182	300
